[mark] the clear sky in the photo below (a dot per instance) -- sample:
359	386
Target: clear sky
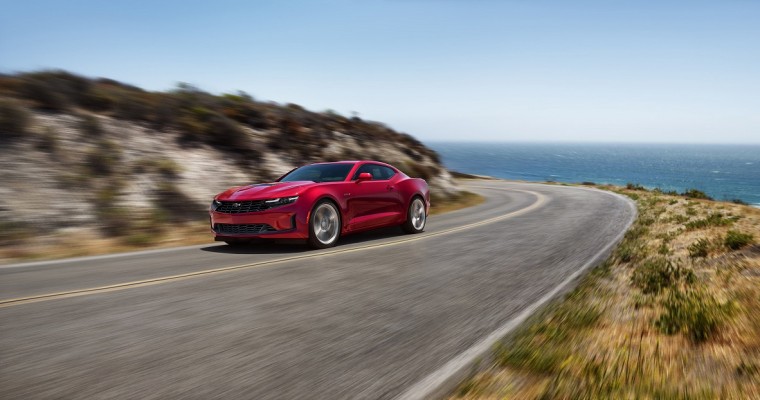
639	70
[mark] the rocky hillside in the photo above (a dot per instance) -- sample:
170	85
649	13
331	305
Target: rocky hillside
95	153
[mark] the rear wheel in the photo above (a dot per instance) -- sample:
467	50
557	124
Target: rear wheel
324	225
415	217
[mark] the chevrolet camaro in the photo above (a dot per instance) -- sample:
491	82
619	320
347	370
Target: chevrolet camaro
321	202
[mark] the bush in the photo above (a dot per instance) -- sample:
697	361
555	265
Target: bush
634	186
695	313
736	240
696	194
48	141
715	219
657	274
663	249
14	232
14	120
104	159
416	170
113	220
176	206
99	100
90	126
700	248
630	251
44	96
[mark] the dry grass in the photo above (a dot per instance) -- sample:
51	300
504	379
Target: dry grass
88	242
462	200
655	321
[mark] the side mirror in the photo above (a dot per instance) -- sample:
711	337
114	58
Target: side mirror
364	176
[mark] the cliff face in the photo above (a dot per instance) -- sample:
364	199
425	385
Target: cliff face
78	152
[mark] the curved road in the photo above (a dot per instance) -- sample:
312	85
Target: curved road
383	315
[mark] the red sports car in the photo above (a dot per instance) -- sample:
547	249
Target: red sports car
320	202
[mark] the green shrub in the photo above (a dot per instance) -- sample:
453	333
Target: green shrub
654	275
634	186
90	126
14	232
700	248
99	100
133	108
630	250
113	219
174	205
679	219
663	249
44	96
14	120
48	141
747	368
103	160
714	219
736	240
416	170
696	194
694	312
140	238
164	166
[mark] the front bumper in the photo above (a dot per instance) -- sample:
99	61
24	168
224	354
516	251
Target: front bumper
284	223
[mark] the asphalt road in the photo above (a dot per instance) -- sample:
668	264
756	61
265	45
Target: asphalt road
379	316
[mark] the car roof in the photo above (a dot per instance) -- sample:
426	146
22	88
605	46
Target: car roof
351	162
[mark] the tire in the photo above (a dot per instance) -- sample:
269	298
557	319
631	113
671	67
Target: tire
416	218
324	225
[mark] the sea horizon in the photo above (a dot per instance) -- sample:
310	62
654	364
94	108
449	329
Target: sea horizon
723	171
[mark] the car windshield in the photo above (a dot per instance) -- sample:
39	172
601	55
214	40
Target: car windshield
319	173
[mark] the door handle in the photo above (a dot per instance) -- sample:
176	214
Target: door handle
389	187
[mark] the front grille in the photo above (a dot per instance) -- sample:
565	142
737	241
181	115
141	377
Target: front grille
243	229
239	207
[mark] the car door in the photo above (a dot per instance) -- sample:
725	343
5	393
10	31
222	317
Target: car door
376	202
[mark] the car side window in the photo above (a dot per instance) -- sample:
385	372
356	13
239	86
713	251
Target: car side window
387	172
378	172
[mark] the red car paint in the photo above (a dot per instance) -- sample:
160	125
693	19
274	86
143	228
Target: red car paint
363	204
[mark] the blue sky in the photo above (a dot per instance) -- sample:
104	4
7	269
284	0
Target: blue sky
651	71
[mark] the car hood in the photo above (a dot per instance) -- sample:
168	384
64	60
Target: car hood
262	191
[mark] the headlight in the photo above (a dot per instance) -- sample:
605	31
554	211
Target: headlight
215	204
280	202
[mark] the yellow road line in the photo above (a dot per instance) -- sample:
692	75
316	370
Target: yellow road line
540	200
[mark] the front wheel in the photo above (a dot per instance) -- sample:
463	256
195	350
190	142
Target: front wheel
415	217
324	225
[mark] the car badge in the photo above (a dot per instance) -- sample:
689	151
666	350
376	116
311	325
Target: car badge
236	205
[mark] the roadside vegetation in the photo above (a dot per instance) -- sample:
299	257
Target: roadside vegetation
672	314
221	121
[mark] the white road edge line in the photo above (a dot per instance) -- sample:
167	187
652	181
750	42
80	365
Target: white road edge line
440	382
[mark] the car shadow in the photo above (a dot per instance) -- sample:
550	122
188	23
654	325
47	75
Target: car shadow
299	246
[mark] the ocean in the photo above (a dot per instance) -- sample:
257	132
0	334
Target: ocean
724	172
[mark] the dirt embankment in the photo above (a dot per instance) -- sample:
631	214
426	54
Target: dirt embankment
85	160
